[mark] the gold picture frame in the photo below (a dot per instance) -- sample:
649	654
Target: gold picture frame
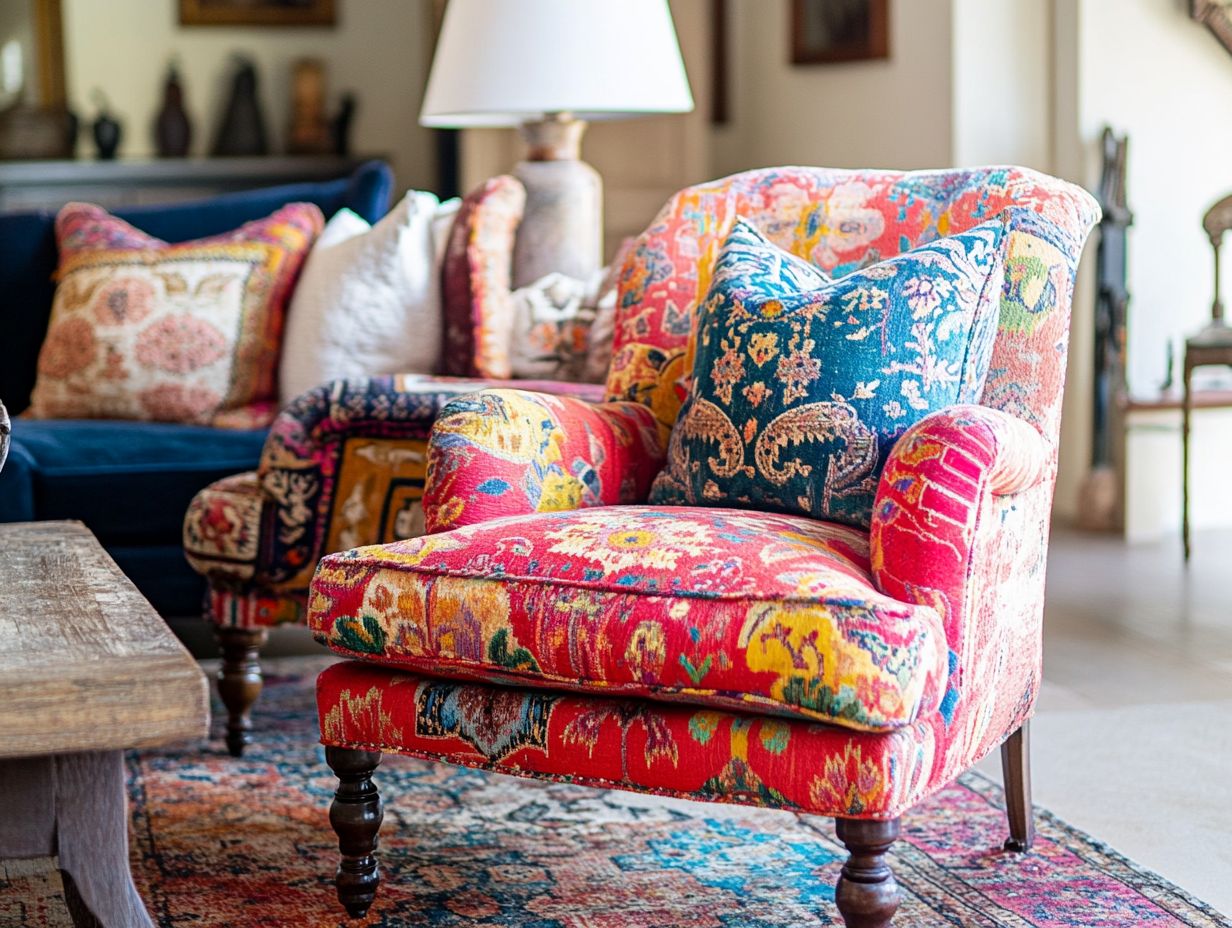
257	13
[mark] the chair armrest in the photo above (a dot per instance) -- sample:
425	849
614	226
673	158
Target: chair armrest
503	453
344	466
937	485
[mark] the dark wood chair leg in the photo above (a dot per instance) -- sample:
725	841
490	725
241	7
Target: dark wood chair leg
239	681
1016	771
356	817
866	895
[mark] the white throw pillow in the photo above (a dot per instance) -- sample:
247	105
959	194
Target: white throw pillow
368	299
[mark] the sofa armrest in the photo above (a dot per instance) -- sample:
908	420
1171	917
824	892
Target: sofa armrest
511	452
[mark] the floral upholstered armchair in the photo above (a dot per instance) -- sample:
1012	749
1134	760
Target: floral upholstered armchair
712	653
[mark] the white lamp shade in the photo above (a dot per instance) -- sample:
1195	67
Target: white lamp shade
503	62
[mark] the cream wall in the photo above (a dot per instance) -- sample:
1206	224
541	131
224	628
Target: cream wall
1149	71
875	114
379	49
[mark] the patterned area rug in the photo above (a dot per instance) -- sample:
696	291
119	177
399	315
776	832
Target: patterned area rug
241	844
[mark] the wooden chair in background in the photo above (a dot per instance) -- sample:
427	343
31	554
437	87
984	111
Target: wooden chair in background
1210	347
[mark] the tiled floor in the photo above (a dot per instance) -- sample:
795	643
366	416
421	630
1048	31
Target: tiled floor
1133	739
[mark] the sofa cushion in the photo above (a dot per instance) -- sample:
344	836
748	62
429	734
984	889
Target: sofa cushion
186	332
28	243
476	280
712	607
129	482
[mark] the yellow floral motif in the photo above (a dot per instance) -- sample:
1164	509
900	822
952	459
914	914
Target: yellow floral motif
849	783
647	651
815	664
560	492
353	713
512	429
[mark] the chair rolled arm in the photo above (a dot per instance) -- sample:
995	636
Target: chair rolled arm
301	473
945	474
502	453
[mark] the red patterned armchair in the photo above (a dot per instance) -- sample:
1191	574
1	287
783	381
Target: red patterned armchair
553	625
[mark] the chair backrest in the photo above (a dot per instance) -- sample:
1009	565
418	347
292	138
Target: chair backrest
841	220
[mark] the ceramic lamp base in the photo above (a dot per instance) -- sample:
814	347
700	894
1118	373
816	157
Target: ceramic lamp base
562	226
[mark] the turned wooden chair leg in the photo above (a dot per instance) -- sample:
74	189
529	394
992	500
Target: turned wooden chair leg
356	817
1016	771
239	681
866	895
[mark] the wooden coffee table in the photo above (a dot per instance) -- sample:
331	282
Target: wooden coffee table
87	669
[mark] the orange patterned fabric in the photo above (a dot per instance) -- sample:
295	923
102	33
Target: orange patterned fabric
189	332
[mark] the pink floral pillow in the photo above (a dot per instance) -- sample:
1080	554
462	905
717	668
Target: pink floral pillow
190	332
476	281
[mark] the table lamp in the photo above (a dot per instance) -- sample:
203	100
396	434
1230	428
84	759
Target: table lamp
549	67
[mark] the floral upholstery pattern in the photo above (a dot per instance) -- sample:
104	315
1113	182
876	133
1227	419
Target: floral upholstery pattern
592	739
476	281
716	607
344	466
958	530
190	332
801	385
513	452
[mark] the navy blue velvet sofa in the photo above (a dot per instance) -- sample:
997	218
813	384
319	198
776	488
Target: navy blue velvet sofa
131	482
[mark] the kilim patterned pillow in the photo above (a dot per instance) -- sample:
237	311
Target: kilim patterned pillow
190	332
801	384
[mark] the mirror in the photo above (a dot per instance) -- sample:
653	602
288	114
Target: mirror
34	120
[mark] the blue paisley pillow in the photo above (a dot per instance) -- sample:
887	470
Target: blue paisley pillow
802	384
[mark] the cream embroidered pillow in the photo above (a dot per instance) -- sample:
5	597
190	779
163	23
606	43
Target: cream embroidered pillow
190	332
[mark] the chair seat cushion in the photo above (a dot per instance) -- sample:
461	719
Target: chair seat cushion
710	606
129	482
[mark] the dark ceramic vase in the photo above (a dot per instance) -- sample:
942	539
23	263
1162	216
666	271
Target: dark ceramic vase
107	135
242	130
172	128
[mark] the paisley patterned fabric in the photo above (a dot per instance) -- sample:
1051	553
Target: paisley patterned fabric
344	466
511	452
714	607
592	739
190	332
476	282
801	385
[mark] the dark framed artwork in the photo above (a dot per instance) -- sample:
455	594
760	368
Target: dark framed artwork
257	12
827	31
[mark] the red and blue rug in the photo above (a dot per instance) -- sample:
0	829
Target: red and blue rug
242	844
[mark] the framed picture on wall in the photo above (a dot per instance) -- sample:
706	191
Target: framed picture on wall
257	12
827	31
